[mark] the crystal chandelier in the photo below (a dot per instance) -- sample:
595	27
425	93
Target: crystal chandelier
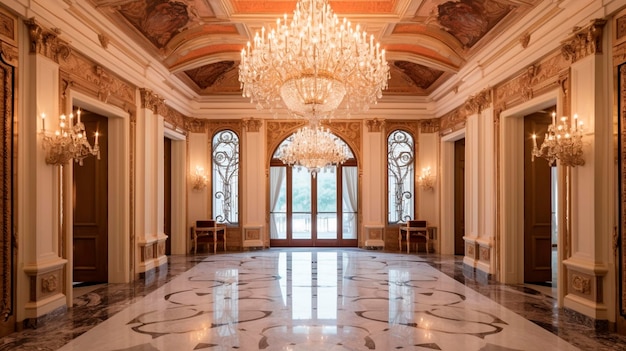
562	142
313	63
314	148
68	142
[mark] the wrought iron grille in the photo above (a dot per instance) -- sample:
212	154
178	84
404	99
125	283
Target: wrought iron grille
400	175
226	177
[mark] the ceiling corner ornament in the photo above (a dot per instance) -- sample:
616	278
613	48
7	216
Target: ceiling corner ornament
313	65
584	41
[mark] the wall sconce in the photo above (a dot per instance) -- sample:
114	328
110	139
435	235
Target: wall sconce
426	180
563	142
68	142
199	179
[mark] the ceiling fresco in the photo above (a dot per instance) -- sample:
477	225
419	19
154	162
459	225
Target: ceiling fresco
199	41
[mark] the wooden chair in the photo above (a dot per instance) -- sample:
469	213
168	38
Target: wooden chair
207	231
414	229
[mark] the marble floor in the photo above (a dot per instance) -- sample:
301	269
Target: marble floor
312	299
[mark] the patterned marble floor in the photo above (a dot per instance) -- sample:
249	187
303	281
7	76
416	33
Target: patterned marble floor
312	299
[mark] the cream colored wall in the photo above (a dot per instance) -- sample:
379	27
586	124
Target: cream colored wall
428	200
254	190
374	181
198	200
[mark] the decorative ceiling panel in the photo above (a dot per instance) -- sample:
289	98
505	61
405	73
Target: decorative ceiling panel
200	40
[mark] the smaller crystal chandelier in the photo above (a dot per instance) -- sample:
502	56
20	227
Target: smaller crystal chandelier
426	180
68	142
562	142
199	179
314	148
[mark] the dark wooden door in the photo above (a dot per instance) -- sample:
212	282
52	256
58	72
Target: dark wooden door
90	199
167	194
459	197
537	204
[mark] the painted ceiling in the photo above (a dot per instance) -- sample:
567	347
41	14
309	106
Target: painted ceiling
427	41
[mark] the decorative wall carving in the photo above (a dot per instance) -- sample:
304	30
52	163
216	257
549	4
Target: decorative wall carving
429	125
581	284
195	125
412	126
46	42
477	103
484	253
252	125
584	42
49	283
524	39
375	125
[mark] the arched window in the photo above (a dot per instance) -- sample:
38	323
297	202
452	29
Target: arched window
400	176
225	177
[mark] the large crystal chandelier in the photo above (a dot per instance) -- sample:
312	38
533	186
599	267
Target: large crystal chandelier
562	142
312	63
68	142
314	148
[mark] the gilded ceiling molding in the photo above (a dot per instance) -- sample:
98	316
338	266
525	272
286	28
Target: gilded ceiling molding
252	125
584	41
429	125
46	42
375	125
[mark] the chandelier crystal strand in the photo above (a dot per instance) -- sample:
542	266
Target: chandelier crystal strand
68	142
312	63
314	148
562	142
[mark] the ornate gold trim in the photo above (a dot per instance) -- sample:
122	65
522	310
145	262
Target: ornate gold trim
584	42
46	42
375	125
252	125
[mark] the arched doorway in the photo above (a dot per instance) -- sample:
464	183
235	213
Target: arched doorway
313	210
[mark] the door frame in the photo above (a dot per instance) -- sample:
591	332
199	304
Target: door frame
511	158
119	266
447	190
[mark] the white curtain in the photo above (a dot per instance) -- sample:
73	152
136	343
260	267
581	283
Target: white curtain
277	177
349	187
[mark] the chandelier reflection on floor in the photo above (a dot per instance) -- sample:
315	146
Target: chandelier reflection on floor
562	142
314	148
68	142
309	64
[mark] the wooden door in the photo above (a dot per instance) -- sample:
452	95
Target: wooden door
459	197
167	194
90	199
537	204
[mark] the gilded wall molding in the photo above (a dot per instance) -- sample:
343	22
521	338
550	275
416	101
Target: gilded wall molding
584	41
216	125
429	125
412	126
94	80
452	121
277	130
149	99
375	125
195	125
